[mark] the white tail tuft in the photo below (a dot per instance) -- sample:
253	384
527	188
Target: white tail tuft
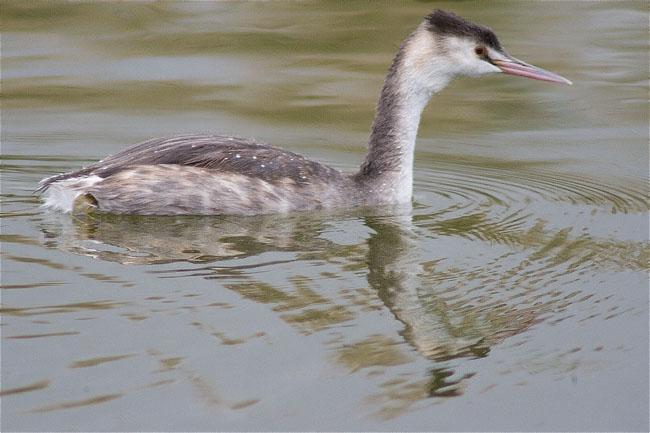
61	195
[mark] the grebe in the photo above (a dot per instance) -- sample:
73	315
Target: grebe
211	174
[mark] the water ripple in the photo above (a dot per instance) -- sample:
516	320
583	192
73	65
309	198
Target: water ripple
471	184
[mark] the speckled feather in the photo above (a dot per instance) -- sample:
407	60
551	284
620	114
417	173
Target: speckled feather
214	152
207	174
169	189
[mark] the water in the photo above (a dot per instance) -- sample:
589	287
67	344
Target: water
512	296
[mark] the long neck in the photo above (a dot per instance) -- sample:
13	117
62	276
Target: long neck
406	91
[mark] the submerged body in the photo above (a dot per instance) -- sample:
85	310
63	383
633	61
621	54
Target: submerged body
204	175
211	174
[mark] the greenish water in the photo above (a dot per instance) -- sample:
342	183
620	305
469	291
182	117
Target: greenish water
512	296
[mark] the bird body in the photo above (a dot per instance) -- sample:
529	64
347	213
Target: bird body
211	174
196	174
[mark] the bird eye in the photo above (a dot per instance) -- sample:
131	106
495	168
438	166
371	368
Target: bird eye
480	51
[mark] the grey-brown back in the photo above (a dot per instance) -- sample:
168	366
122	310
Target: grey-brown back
220	153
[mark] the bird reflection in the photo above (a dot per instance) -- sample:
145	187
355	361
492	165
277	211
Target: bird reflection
158	239
390	252
395	272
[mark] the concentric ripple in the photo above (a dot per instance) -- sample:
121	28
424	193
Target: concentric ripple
474	184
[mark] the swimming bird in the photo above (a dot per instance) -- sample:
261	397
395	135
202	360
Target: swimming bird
211	174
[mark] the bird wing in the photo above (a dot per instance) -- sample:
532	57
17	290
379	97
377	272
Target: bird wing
215	152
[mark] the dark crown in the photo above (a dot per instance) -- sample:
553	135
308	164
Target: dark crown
449	24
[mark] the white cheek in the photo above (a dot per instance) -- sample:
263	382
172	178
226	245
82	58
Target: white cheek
484	68
473	66
465	62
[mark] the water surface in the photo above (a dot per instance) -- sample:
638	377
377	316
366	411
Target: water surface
512	295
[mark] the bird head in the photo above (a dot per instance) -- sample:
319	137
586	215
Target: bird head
445	46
